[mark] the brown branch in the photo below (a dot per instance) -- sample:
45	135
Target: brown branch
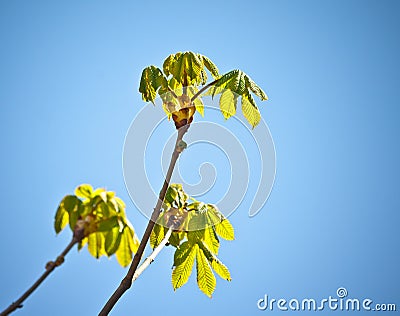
126	283
50	266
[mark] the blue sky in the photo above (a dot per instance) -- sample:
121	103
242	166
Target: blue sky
69	78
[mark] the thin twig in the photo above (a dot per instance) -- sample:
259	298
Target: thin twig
126	282
50	266
153	255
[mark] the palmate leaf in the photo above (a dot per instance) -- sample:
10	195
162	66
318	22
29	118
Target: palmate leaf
101	214
239	84
183	264
205	277
152	79
188	68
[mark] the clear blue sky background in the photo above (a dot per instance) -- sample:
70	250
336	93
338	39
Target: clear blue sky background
68	92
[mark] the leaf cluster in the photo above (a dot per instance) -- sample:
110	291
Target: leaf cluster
180	78
101	215
198	228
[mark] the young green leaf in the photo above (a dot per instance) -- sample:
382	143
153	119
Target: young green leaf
108	224
96	245
227	104
152	79
211	67
156	236
205	277
250	110
221	269
183	264
112	241
61	219
225	230
84	191
124	253
211	240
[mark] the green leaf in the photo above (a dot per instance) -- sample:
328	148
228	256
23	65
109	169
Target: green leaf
205	277
186	68
124	253
227	104
215	263
152	79
225	230
96	245
255	88
242	85
73	207
183	262
61	219
157	235
250	110
168	62
221	269
108	224
176	238
84	191
112	241
210	67
211	240
133	240
74	216
82	243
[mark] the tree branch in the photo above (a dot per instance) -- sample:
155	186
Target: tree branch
50	266
126	283
153	255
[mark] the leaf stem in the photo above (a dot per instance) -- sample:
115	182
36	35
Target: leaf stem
126	282
203	89
50	266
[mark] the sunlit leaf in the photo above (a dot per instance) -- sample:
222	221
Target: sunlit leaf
124	253
227	104
152	79
183	264
108	224
112	241
215	263
96	245
61	219
156	236
205	277
84	191
225	230
250	110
